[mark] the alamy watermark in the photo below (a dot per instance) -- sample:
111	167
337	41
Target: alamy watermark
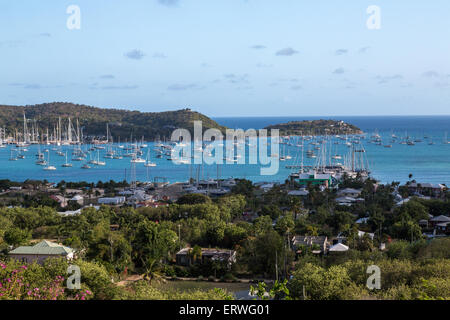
374	280
74	280
74	20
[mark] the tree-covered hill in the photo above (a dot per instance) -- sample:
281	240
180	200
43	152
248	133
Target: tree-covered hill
316	127
93	121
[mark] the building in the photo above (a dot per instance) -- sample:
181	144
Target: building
310	242
78	199
112	201
139	197
184	257
312	178
349	192
431	189
338	247
361	234
438	220
299	193
41	251
60	199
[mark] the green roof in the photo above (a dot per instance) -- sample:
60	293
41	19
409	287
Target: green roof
44	247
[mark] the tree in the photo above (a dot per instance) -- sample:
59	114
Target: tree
153	242
15	236
285	224
319	283
193	198
312	231
407	230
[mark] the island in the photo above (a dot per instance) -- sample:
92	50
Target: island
52	119
315	128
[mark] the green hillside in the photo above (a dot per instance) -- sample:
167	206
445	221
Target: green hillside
316	127
93	121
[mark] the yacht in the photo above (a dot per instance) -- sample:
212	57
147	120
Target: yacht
148	163
138	160
49	167
66	164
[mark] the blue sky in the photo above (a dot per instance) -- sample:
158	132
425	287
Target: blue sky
230	57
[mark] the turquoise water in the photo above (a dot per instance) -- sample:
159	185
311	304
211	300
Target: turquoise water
427	163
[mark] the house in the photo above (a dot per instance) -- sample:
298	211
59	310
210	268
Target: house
299	193
431	189
60	199
112	201
184	257
139	197
423	223
338	247
78	199
345	201
361	234
341	238
438	220
41	251
443	227
310	241
349	192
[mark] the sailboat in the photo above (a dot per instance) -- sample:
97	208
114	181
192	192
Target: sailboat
100	163
148	163
49	167
445	139
66	164
12	157
136	159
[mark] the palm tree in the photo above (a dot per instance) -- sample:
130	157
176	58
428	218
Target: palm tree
196	253
151	270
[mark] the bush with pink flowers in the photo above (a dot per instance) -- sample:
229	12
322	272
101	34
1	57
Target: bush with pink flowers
32	282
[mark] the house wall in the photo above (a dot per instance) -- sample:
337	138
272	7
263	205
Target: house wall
30	258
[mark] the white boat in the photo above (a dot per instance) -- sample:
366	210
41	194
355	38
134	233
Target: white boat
100	163
66	164
49	167
148	163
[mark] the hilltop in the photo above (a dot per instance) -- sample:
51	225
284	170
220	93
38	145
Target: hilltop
93	120
316	128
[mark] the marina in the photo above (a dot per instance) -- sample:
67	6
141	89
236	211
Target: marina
113	161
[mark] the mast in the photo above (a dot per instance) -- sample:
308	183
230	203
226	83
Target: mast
69	132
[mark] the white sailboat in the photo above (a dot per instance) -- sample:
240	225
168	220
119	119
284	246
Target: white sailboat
66	164
100	163
49	167
148	163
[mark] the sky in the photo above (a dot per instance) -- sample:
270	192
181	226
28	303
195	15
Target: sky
229	57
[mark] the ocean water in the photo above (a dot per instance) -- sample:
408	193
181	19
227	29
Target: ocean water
427	163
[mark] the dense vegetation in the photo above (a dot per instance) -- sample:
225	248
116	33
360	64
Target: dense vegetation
122	123
148	238
315	128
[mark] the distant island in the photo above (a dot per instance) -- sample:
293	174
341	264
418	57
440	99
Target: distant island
315	128
93	121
